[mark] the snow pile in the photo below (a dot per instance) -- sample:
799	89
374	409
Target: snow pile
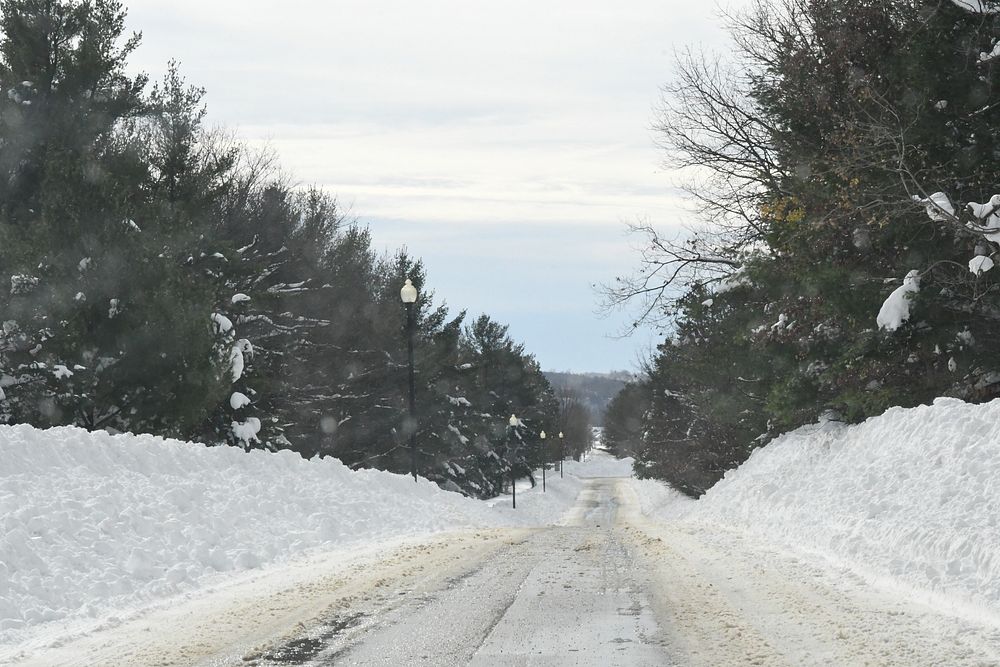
91	522
599	464
659	499
912	495
94	526
537	507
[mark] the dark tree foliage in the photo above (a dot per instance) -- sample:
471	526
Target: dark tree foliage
159	277
836	122
623	420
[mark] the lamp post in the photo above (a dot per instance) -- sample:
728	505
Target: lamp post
561	455
512	422
544	459
409	296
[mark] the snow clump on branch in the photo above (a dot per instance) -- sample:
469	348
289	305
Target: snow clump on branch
896	308
939	207
980	264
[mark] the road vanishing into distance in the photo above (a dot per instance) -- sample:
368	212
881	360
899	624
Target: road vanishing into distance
607	586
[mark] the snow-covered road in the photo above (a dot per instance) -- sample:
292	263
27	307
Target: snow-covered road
614	588
607	586
569	594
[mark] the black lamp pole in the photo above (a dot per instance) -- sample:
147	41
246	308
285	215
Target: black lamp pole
413	394
510	460
409	296
545	459
561	455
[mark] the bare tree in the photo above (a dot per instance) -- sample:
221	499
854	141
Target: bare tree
711	128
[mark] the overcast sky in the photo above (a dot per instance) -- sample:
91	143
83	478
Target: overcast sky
505	143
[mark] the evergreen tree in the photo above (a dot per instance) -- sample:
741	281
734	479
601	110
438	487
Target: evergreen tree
164	278
623	419
841	122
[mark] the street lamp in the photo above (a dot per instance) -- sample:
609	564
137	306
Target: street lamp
510	459
409	296
544	459
561	455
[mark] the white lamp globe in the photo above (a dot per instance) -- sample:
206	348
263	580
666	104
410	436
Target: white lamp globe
409	293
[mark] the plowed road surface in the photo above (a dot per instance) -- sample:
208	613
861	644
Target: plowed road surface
607	587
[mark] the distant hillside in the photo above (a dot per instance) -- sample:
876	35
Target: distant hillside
595	389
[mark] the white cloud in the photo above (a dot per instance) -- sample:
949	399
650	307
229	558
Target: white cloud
514	133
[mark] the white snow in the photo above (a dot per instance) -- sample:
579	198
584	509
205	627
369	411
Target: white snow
221	323
599	464
939	207
94	526
21	283
461	438
238	400
247	431
896	308
987	213
975	6
236	363
986	56
61	372
239	298
910	498
980	264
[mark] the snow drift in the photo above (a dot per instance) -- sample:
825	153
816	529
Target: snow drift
912	496
92	523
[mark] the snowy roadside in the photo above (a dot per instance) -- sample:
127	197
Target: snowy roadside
96	528
909	501
239	616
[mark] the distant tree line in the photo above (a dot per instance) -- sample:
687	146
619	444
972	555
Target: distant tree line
847	173
160	277
595	389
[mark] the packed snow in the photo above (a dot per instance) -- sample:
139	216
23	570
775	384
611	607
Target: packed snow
980	264
238	400
598	464
910	498
896	308
939	208
93	526
221	323
976	6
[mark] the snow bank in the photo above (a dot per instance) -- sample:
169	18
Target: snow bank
94	526
912	496
91	523
599	464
